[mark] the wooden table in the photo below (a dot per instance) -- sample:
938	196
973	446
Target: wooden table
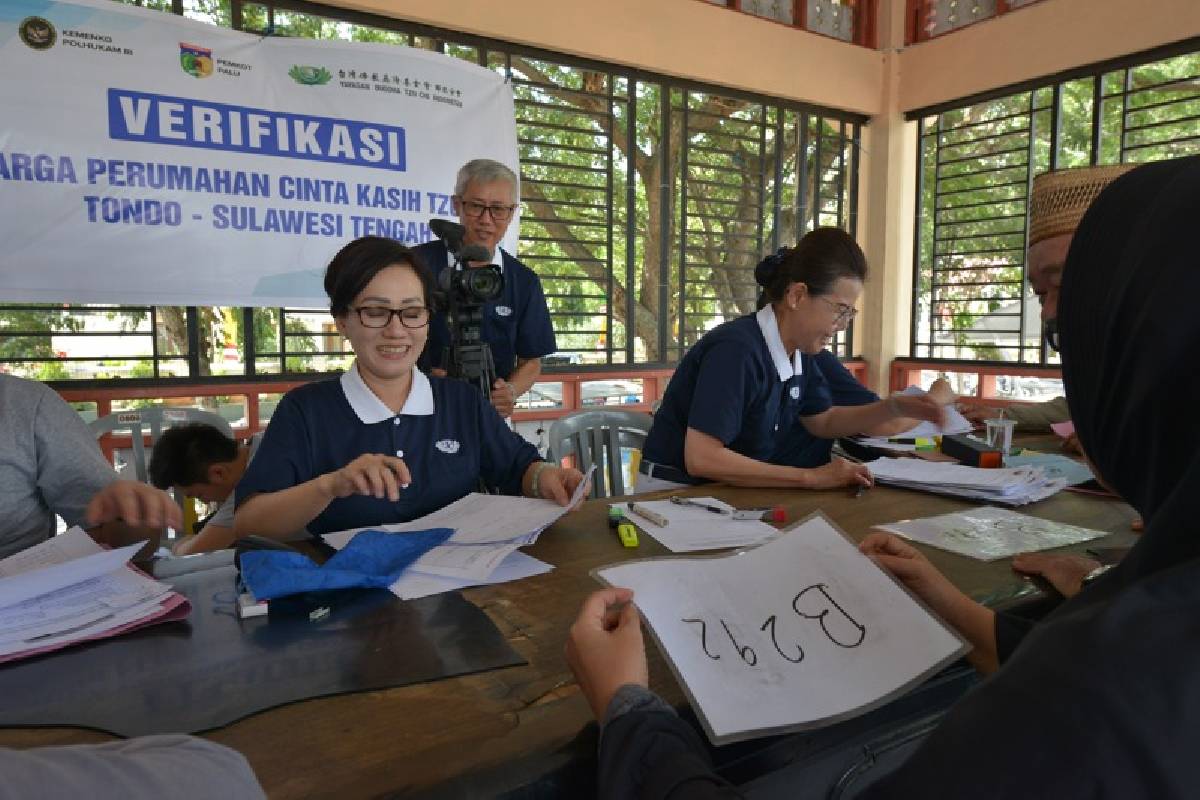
483	735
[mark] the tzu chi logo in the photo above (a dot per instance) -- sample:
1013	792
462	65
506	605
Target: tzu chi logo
447	446
795	392
503	311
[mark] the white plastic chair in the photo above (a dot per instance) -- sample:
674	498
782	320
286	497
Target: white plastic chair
597	437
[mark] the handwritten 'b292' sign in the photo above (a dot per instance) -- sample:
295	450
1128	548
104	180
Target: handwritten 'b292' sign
798	633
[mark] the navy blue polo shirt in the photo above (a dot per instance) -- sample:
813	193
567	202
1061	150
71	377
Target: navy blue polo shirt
800	448
447	434
515	325
737	387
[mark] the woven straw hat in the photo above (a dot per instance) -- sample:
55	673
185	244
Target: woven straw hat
1060	198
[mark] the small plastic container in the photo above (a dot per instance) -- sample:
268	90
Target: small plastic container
1000	434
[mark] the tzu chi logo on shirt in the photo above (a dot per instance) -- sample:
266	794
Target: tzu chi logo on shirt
503	311
795	392
447	446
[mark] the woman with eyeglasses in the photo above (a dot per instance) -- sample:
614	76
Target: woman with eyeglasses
383	443
735	396
516	325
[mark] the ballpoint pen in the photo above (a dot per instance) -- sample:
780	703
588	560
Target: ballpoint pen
687	501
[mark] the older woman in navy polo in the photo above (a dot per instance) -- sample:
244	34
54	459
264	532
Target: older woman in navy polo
383	443
730	408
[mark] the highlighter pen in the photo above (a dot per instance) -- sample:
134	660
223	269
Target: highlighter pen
648	515
627	534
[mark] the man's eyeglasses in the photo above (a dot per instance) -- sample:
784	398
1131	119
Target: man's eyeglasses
474	209
381	316
845	313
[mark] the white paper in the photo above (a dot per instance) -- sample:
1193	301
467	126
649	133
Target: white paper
1015	486
59	561
516	566
955	421
479	519
468	562
693	529
800	632
990	533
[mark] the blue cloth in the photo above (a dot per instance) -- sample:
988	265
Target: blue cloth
371	560
728	387
800	448
515	325
314	431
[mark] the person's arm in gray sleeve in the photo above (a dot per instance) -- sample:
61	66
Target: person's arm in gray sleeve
70	467
179	767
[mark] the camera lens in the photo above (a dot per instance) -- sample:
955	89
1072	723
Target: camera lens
484	283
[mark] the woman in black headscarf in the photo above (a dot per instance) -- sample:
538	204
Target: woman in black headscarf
1102	698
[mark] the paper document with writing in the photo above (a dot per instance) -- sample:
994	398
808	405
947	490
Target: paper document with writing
990	533
691	529
802	632
1054	465
514	567
487	530
69	589
57	562
1015	487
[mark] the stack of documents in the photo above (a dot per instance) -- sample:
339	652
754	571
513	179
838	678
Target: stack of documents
488	531
69	589
990	533
692	528
1014	487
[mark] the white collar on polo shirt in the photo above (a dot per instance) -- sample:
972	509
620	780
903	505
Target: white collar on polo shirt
497	258
370	409
787	368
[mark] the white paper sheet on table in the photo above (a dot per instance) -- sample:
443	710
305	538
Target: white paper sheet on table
799	633
69	589
990	533
516	566
57	562
692	529
1016	486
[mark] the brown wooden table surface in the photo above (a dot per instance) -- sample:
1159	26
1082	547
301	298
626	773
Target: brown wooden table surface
484	734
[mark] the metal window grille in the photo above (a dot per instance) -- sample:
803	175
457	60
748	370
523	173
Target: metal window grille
976	163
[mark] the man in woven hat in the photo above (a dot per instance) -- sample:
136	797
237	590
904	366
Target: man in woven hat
1056	206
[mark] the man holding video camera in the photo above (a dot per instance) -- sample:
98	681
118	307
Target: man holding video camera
516	323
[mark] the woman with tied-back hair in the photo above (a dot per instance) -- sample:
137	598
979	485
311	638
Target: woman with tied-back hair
731	404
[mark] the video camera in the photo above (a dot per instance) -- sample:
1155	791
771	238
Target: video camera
461	292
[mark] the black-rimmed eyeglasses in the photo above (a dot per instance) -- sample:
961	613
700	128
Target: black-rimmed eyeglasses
474	209
381	316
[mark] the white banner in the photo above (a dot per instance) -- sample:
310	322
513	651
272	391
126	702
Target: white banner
150	159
